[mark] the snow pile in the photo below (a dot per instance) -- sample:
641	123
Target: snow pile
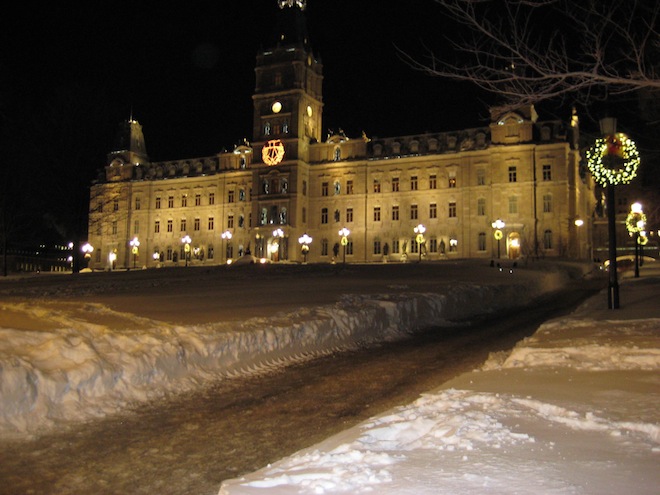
572	409
83	368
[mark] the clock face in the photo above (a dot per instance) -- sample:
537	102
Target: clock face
309	111
273	152
277	107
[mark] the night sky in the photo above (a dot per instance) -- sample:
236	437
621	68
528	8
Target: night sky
185	70
73	71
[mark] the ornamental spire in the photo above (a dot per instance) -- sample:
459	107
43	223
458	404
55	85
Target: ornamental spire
292	3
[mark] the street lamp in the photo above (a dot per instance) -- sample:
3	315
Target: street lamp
419	238
135	249
635	224
186	240
278	247
578	223
304	241
498	225
344	233
226	236
87	250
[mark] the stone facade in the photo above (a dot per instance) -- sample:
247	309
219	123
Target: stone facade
256	200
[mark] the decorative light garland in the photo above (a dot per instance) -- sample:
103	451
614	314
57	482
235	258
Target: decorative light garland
606	150
633	222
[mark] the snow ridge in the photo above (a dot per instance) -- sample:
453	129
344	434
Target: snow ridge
84	370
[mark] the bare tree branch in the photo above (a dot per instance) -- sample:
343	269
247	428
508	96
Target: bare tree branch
528	51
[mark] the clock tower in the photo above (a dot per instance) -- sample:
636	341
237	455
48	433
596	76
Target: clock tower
287	99
288	107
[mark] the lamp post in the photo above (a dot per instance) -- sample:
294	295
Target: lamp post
112	258
304	241
135	249
635	224
419	238
226	236
498	225
344	233
186	240
87	250
578	224
612	160
279	246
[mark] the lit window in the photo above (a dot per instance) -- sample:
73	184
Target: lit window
376	186
452	182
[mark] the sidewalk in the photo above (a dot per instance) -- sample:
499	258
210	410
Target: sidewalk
572	409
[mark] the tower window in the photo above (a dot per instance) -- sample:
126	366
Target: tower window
513	174
547	172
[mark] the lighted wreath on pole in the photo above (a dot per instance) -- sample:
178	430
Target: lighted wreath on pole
613	160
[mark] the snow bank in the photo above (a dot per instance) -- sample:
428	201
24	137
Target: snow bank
82	369
571	410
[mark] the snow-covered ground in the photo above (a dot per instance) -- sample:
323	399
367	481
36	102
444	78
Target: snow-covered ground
73	358
571	410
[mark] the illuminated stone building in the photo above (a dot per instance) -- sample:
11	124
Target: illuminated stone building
261	197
